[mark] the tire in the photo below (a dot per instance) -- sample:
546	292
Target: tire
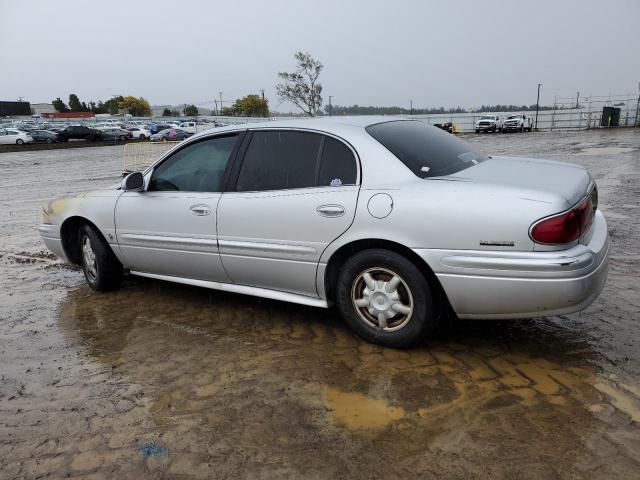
19	141
164	139
397	328
521	128
101	268
142	137
477	130
493	130
122	138
48	140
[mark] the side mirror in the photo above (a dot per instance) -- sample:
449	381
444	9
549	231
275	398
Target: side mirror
134	182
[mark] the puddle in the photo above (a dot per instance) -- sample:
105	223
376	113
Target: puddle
355	411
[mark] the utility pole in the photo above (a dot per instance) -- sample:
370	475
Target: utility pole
577	100
330	97
410	107
262	94
220	93
537	106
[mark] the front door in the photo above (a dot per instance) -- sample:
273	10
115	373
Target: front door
170	228
295	193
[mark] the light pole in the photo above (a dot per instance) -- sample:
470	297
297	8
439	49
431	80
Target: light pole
537	106
330	97
410	107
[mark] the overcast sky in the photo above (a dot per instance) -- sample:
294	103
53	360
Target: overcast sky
438	53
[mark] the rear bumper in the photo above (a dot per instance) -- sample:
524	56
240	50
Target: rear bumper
506	285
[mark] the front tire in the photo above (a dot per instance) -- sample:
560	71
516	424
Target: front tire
101	268
386	299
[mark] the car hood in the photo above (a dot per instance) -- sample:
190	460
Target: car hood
539	180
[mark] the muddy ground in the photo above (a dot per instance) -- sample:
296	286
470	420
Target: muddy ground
166	381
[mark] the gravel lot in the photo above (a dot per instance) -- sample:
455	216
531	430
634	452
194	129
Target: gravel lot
166	381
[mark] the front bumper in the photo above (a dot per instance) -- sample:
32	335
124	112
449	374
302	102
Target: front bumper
50	235
511	127
509	285
486	127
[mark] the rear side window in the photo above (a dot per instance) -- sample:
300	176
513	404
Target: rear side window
427	151
337	165
279	160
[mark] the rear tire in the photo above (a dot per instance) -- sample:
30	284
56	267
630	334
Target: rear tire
142	137
48	140
19	141
101	268
398	318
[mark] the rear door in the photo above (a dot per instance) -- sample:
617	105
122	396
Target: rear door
295	192
170	228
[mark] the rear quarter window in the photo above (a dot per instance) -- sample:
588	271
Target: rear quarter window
426	150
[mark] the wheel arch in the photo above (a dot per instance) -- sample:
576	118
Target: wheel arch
69	233
342	254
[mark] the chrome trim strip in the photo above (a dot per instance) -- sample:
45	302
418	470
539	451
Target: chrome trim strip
520	264
205	242
267	247
242	289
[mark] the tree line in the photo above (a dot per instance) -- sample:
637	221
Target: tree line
136	106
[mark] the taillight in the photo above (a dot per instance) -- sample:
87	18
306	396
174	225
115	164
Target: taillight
565	227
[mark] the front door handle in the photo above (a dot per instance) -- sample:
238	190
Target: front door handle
330	210
200	210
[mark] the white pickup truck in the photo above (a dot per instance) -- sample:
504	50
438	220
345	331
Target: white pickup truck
517	123
489	123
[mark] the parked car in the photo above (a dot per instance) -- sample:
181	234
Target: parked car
45	136
139	133
156	127
189	127
517	123
80	132
170	134
489	123
10	136
323	212
446	126
116	134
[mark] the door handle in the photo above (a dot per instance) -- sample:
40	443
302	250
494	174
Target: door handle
200	210
330	210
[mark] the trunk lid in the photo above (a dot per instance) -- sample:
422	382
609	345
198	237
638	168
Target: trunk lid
543	179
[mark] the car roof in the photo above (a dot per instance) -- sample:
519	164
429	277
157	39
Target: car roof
333	125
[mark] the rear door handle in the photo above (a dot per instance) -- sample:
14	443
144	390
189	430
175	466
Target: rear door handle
200	210
330	210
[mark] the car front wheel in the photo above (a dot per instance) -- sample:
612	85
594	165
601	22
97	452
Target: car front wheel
101	268
386	299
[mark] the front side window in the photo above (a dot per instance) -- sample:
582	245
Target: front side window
427	151
198	167
277	160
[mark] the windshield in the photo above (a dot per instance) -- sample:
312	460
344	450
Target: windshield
487	117
427	151
513	116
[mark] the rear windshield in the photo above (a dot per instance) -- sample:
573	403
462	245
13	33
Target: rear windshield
427	151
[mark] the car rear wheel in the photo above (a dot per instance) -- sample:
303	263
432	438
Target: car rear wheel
48	140
142	137
101	268
385	299
123	138
164	139
19	141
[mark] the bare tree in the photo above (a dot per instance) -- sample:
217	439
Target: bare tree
301	87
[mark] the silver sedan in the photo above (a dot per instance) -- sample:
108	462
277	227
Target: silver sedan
395	222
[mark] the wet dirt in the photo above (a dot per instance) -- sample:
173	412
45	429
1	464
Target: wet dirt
167	381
